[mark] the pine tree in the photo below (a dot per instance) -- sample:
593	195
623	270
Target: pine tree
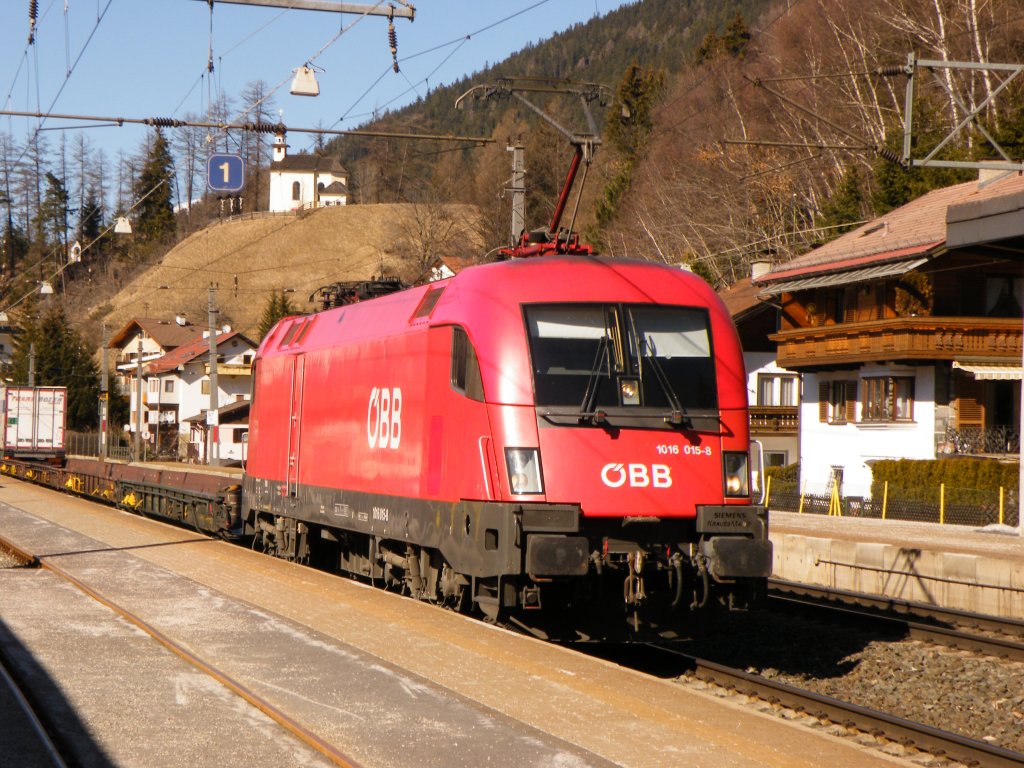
153	187
736	36
630	121
90	217
61	359
846	206
277	306
53	212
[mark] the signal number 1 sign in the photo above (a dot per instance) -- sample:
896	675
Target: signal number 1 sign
225	172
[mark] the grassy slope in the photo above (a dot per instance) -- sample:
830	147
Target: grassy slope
268	254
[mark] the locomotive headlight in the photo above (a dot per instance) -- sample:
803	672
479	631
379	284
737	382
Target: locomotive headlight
523	466
630	391
737	474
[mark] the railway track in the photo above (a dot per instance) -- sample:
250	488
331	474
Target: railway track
282	718
906	732
941	626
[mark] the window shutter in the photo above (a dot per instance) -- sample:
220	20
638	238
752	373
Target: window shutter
970	403
823	401
851	400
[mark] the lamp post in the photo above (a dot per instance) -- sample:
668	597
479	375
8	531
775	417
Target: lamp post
138	402
104	395
212	420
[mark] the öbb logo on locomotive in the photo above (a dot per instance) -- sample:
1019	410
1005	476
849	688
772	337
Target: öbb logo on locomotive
638	475
384	418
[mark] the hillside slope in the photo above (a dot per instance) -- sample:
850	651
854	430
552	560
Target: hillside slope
250	258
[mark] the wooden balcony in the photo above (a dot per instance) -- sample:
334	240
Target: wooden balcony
773	419
900	338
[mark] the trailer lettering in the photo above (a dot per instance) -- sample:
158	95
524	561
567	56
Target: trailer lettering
384	418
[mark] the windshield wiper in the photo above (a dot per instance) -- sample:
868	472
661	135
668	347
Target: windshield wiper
590	394
678	413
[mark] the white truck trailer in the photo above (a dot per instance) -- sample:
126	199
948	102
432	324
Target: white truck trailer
35	419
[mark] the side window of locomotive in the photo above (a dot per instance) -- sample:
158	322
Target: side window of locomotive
465	366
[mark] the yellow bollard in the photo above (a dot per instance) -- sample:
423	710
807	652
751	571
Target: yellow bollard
885	498
942	504
834	503
768	491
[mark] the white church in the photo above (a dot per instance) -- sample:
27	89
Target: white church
305	181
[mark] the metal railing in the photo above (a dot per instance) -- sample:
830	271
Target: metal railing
981	440
952	506
88	444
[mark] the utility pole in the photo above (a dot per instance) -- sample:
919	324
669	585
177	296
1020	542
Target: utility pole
518	189
212	420
104	394
138	403
32	364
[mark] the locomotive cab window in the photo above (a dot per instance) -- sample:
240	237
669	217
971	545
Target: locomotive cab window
601	358
465	375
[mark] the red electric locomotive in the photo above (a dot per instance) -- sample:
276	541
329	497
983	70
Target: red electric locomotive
560	442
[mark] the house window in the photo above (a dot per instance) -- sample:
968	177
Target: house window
888	398
776	390
154	385
205	387
169	386
296	191
837	401
775	458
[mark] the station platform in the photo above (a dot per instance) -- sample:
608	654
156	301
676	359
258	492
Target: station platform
384	680
961	567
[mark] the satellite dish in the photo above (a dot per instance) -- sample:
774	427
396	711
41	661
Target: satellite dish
75	253
305	83
123	226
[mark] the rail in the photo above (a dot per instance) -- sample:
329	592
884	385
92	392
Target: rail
924	737
882	610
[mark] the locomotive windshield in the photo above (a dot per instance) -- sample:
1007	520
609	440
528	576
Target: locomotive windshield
602	357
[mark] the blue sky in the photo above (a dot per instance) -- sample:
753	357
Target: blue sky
148	58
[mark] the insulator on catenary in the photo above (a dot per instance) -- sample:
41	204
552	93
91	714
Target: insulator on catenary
890	155
163	122
891	70
393	42
264	127
33	14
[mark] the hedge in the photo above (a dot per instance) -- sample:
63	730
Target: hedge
921	480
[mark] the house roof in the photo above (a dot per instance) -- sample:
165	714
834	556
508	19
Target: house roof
232	413
458	263
164	332
186	353
913	231
741	298
303	161
335	188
